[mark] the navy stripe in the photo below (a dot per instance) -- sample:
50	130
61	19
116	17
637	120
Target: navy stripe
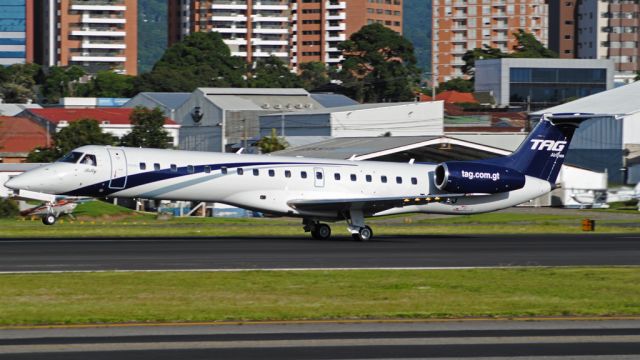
101	189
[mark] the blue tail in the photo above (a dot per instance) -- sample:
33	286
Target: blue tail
542	153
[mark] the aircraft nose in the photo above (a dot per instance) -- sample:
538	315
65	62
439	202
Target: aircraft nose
13	183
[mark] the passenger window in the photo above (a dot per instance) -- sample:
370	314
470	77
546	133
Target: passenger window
240	171
414	181
190	169
272	172
287	173
207	169
303	174
143	166
399	179
256	172
383	179
174	168
222	170
156	167
319	175
89	159
354	177
368	178
336	176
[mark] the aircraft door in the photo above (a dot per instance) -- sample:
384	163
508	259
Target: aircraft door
118	169
318	176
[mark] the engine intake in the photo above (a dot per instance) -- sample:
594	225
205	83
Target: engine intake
468	177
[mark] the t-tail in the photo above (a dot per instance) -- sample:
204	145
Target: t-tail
542	153
541	156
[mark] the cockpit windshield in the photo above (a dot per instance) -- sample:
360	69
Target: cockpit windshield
71	157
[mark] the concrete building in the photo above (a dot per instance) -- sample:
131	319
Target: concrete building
393	119
211	112
610	30
16	32
607	144
460	25
562	27
296	31
115	121
540	83
97	35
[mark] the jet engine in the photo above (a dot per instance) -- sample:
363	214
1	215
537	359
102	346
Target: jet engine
468	177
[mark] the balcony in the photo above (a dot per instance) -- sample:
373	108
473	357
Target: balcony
264	54
261	18
89	32
242	18
103	45
270	30
333	5
339	27
229	5
90	58
86	19
341	16
230	30
258	42
98	5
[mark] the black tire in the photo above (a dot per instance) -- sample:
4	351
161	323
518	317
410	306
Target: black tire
49	219
323	231
364	234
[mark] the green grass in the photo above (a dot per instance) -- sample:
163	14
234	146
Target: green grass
98	208
77	298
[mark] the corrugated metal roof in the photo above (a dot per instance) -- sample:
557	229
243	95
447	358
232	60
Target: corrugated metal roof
506	141
116	116
344	148
231	102
171	100
619	101
254	91
333	100
347	108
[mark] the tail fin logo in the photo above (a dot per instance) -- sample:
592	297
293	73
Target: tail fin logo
550	145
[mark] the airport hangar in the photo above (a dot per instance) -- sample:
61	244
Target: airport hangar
578	187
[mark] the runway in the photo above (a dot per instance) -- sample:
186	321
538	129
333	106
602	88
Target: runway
451	340
437	251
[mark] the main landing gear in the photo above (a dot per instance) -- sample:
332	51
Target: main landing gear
318	230
49	219
355	224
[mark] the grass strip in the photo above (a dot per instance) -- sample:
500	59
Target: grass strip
109	297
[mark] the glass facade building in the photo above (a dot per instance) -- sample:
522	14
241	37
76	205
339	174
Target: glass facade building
552	86
13	31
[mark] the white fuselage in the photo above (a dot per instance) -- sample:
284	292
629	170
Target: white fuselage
259	182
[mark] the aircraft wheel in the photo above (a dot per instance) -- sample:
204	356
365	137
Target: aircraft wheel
49	219
321	232
364	234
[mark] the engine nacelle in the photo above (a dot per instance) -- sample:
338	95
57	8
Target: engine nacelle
468	177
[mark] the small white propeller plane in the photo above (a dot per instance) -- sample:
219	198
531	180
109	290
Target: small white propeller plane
315	190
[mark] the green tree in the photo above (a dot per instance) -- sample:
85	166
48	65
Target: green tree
148	129
108	84
272	72
637	76
272	143
202	59
527	46
379	65
313	75
78	133
60	82
457	84
8	208
17	82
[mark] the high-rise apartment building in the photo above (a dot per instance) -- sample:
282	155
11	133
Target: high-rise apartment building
365	12
16	31
296	31
461	25
94	34
562	27
610	29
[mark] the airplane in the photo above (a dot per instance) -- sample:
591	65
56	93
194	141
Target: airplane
51	211
316	190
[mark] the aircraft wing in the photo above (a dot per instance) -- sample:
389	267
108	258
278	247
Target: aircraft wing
369	205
